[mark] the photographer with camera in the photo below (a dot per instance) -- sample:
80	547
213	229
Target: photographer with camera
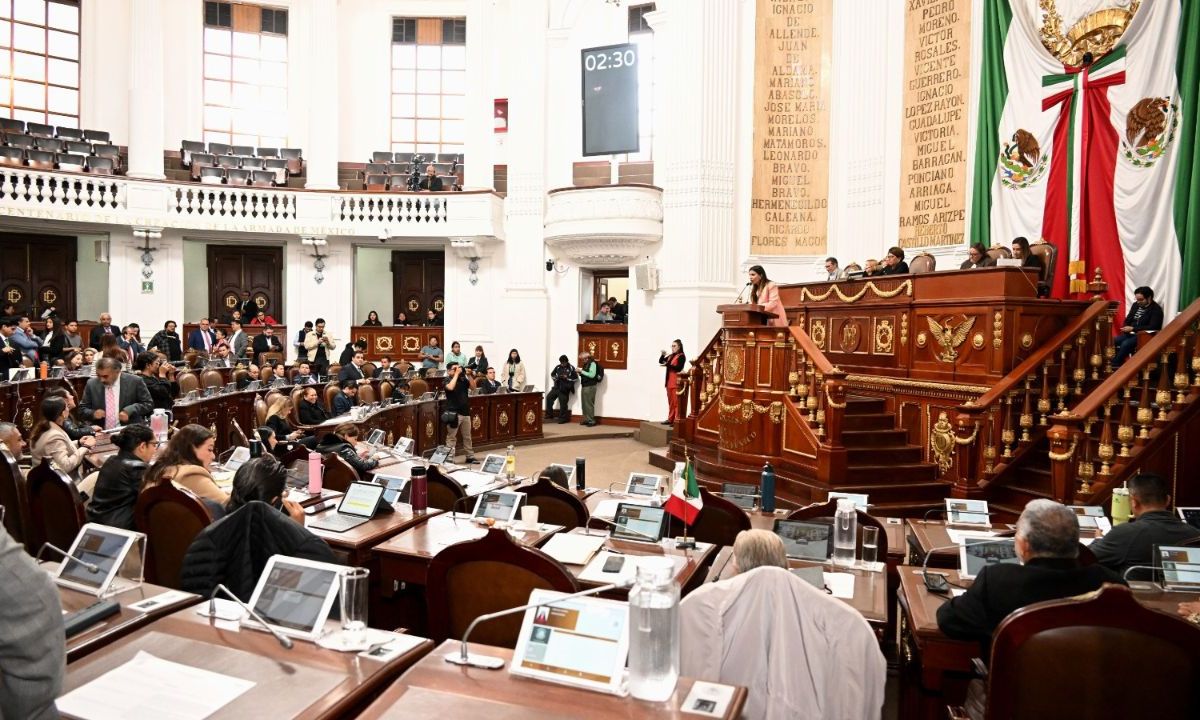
457	415
319	345
562	378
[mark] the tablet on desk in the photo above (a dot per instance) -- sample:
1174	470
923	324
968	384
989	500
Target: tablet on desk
1180	567
859	499
105	548
240	456
294	596
642	484
582	642
375	438
743	495
439	455
967	512
404	446
498	505
19	374
805	540
639	523
1190	515
977	553
395	488
1091	517
492	465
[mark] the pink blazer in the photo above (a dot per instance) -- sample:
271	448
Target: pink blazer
769	299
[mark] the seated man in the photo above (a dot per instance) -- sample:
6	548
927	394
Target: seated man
32	651
267	342
1047	542
10	438
489	385
873	268
1144	315
800	652
385	369
304	374
346	399
605	315
832	271
310	411
431	181
354	369
1132	543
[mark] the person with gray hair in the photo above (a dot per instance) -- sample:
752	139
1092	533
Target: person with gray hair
758	548
115	397
10	437
1047	543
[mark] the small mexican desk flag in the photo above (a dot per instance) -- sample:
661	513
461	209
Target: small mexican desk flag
685	502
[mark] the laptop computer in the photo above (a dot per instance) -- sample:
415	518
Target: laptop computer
294	596
743	495
639	523
359	504
806	539
1180	567
977	553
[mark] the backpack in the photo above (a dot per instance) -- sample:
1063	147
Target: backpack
599	371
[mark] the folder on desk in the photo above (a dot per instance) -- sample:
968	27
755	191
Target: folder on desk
573	549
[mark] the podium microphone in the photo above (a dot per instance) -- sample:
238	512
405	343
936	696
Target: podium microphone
738	299
284	640
489	662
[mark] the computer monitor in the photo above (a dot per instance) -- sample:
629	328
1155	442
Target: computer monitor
806	539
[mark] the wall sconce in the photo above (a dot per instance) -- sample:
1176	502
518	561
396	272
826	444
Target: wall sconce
316	242
147	234
473	266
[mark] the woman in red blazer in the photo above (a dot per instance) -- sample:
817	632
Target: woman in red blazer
674	363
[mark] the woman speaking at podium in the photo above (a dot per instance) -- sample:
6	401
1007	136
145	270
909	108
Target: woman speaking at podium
766	293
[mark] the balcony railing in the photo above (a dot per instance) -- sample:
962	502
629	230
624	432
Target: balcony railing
76	197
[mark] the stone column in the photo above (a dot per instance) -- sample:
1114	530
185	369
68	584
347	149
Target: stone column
321	150
146	102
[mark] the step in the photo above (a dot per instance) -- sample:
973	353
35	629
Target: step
856	405
869	421
856	456
654	434
895	473
873	438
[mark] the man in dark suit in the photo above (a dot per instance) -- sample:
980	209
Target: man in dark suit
247	307
431	181
238	339
115	398
202	338
346	399
310	410
1145	314
353	370
130	342
10	354
267	342
1132	543
385	369
893	263
105	327
1047	543
489	385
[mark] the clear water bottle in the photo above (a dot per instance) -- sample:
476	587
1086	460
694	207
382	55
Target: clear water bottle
510	463
845	533
654	630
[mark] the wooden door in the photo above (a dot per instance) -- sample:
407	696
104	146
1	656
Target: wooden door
257	270
418	283
38	271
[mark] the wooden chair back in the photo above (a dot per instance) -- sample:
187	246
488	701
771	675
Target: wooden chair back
188	382
260	411
211	378
237	436
472	578
239	375
1049	255
828	509
418	387
368	369
296	454
331	391
294	413
444	491
1081	642
385	389
720	521
12	496
555	505
923	263
366	395
171	517
269	358
56	509
999	252
338	473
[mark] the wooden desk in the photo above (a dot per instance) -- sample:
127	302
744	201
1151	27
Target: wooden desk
119	625
354	545
304	682
436	688
689	576
397	342
403	562
925	535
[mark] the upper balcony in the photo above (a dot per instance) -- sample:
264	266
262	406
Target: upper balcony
79	197
606	225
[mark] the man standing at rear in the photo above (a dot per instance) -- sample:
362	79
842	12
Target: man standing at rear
104	328
589	379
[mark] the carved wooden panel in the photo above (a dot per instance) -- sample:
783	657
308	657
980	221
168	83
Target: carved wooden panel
607	343
233	269
504	418
38	271
418	283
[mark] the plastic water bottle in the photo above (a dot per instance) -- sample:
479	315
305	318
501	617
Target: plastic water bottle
767	488
510	463
845	533
654	630
314	473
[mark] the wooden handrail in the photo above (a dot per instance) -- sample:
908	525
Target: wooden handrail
814	353
1162	341
1047	351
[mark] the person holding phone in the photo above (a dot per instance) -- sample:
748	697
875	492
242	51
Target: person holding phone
458	389
673	363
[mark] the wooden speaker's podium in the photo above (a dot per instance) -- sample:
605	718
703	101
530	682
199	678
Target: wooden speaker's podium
745	314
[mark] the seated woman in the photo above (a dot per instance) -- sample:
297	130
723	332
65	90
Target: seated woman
184	461
311	412
73	360
277	419
50	440
258	523
110	348
262	318
341	441
478	364
401	320
372	320
160	380
116	490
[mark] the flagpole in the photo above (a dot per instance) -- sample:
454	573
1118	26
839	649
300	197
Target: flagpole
685	543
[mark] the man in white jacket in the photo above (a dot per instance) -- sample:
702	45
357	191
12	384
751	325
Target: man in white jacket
800	652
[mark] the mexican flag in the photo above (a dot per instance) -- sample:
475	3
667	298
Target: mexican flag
684	502
1095	155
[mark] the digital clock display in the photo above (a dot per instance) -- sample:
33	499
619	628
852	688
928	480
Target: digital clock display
610	99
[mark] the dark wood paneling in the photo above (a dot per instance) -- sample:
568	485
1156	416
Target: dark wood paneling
37	271
606	342
396	342
234	268
418	283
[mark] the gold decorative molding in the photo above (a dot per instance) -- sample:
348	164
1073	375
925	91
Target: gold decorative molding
882	381
1026	341
997	330
747	408
922	338
502	418
977	341
1097	33
949	337
904	287
1063	456
941	443
904	329
735	364
530	417
884	336
818	334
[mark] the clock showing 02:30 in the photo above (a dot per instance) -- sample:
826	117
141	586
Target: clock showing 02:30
610	60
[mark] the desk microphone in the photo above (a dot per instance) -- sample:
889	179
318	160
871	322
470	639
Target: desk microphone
1158	568
284	640
453	505
91	567
490	662
622	528
738	299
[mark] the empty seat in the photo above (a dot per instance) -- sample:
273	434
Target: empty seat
262	178
66	133
20	141
187	149
10	125
227	161
295	163
101	165
217	148
376	169
237	176
73	163
40	130
79	148
377	182
12	156
449	157
279	167
40	159
112	152
381	157
243	150
47	143
397	169
398	183
201	161
252	163
212	175
404	158
96	136
290	153
268	152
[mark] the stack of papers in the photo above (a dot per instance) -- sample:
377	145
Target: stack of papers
573	549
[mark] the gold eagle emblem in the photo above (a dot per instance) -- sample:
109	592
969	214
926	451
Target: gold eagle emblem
949	337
